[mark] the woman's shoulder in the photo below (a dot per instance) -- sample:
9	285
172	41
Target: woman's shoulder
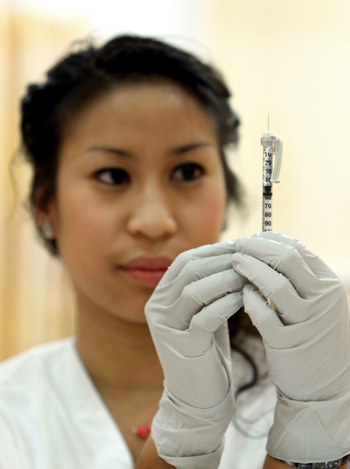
38	363
48	388
28	390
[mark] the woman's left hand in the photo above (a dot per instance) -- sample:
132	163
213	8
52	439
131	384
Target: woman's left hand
300	308
187	317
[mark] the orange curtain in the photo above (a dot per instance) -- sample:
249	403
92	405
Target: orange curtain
36	303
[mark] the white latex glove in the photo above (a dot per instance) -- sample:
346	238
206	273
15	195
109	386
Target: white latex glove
307	344
187	316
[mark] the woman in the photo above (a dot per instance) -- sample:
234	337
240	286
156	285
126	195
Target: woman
127	146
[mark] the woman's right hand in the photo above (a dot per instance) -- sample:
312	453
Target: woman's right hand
307	341
187	316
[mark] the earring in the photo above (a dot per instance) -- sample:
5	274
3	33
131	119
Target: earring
224	225
47	231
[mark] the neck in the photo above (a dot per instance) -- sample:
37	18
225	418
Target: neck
123	364
119	355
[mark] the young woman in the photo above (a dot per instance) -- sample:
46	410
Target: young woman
130	190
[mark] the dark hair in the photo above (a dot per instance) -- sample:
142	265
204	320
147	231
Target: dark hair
84	74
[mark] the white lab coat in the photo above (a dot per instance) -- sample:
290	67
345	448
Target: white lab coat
52	417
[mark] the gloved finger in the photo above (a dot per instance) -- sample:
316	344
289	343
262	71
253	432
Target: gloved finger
285	259
274	286
263	317
222	338
198	337
211	317
209	250
197	295
276	334
317	265
194	270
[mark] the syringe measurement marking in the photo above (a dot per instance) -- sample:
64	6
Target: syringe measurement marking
267	191
267	213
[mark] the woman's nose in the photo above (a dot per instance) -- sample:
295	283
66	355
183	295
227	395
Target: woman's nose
152	216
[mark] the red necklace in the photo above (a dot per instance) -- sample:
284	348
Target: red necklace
142	431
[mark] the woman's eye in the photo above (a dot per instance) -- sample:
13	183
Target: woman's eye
112	176
187	172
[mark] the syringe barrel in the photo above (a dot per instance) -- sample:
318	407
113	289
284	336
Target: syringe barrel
272	147
267	190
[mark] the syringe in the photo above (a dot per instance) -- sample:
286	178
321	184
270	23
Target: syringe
272	145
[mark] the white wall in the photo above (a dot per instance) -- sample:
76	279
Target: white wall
154	17
291	59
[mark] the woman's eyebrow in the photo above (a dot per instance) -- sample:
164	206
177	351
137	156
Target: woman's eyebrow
112	150
190	147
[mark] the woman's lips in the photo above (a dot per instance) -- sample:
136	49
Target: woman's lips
146	271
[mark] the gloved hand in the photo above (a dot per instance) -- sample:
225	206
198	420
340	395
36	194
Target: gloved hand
307	342
187	316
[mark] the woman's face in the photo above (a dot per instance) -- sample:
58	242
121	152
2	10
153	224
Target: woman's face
139	181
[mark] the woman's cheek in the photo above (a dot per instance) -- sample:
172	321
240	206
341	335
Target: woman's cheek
207	218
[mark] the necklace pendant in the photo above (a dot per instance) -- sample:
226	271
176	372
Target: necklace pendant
142	431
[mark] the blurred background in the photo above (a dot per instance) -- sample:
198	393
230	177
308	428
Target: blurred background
290	60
